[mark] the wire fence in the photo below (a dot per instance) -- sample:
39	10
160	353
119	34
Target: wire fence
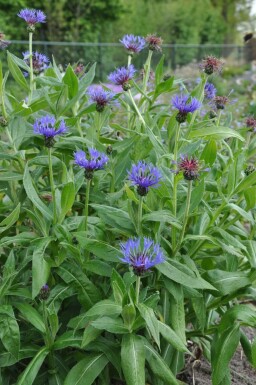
111	55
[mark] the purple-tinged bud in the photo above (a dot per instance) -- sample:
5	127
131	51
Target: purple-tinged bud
211	64
220	102
249	169
251	123
44	293
154	42
3	122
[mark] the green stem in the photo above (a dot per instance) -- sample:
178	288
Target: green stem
86	207
137	289
136	108
186	215
147	71
140	216
218	120
98	123
175	183
52	186
128	108
31	65
201	98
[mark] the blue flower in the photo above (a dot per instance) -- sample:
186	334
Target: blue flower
134	44
122	76
32	17
143	176
46	126
141	254
39	60
185	104
209	91
94	161
101	97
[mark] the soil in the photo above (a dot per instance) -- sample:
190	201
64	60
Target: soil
242	372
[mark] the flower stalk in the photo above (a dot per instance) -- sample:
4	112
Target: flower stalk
86	206
137	290
186	215
31	74
52	186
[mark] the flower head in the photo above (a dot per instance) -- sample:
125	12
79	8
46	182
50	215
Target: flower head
47	126
39	60
134	44
101	97
122	76
251	123
44	292
249	169
209	91
143	176
154	42
190	167
141	254
3	43
32	17
220	102
185	104
211	64
91	162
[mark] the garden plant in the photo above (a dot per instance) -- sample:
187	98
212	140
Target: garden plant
127	220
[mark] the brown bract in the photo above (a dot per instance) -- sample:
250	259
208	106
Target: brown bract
154	42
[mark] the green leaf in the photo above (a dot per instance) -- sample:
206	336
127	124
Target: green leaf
172	337
100	249
67	340
40	267
224	349
133	359
159	71
9	330
99	268
246	183
10	220
179	276
31	315
215	132
87	370
110	324
88	293
90	334
129	315
245	314
16	72
254	352
114	217
228	282
33	196
162	216
210	152
151	321
159	366
251	252
71	80
32	369
105	307
67	199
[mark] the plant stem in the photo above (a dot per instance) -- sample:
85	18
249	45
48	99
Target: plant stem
137	289
201	98
128	108
175	182
31	65
52	185
86	207
136	108
98	123
147	71
186	215
140	216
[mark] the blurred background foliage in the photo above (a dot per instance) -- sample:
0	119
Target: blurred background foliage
186	21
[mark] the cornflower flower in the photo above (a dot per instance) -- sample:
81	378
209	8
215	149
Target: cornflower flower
143	176
32	17
122	76
185	104
101	97
91	162
46	126
133	44
141	254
